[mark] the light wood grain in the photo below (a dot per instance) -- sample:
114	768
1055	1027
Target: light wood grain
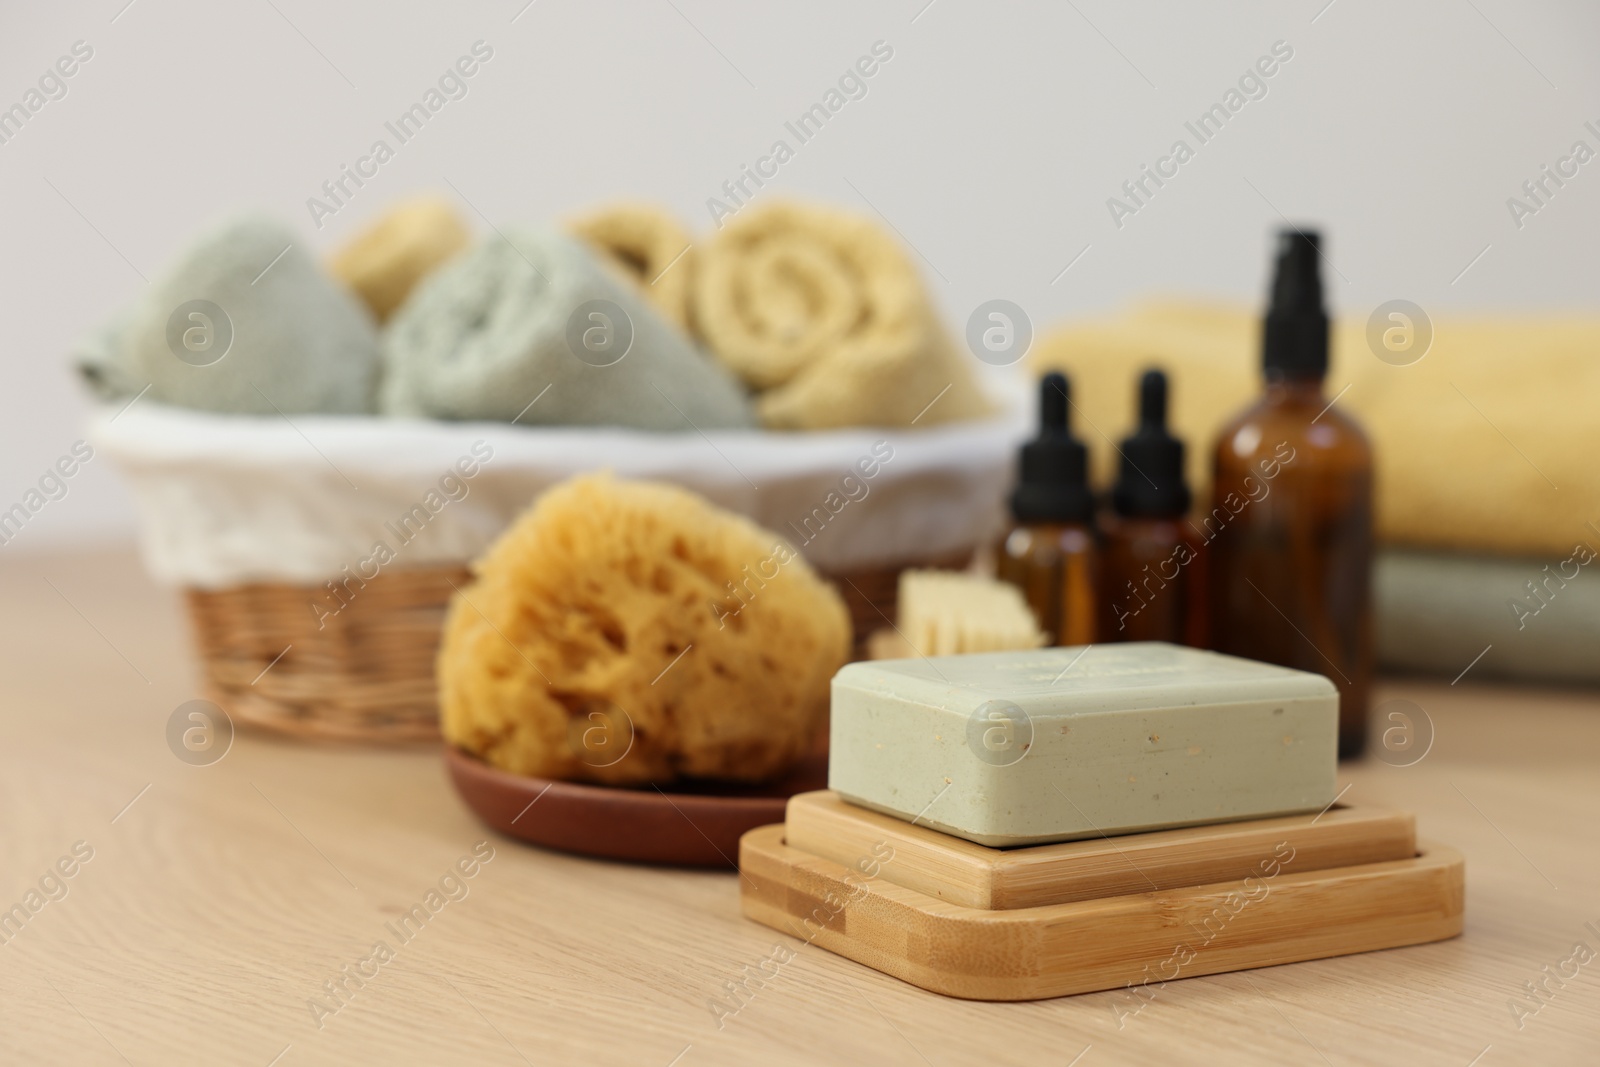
1139	939
209	915
976	876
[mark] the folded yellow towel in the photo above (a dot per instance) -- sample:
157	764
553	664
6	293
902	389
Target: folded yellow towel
387	260
1485	444
648	245
823	314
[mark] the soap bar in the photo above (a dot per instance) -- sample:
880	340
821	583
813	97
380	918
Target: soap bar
1058	744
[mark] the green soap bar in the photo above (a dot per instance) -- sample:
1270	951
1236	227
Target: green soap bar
1056	744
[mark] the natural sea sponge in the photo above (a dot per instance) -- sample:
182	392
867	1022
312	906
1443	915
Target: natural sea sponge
649	247
387	260
636	617
823	314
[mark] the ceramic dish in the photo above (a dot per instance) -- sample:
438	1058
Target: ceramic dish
691	824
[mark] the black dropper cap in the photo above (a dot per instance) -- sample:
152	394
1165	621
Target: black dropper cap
1054	480
1150	484
1294	338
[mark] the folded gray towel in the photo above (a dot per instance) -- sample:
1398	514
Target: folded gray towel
533	310
245	322
1436	611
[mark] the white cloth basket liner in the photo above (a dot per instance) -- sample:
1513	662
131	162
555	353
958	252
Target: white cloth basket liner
225	500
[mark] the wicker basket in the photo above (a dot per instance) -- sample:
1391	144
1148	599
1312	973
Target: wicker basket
367	673
252	518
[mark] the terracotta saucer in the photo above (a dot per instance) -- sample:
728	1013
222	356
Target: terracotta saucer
695	824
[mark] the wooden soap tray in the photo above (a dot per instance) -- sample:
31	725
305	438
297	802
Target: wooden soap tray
983	923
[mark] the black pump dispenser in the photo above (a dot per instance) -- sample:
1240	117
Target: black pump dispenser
1054	483
1151	481
1294	337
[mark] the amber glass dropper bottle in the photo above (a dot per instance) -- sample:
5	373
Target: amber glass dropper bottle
1290	558
1148	551
1050	553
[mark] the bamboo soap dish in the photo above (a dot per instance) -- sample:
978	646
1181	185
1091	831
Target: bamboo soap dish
967	920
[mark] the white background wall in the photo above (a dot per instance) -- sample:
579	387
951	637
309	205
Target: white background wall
991	141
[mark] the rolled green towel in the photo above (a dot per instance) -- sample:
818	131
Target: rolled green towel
245	322
98	357
1437	611
533	310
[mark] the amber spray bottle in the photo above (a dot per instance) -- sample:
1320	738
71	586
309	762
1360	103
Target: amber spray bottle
1290	556
1050	553
1148	554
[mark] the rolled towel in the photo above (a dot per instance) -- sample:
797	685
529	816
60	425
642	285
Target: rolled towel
823	313
1469	444
245	322
387	260
99	361
485	336
647	244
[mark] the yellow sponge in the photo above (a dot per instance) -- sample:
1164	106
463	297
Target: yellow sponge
630	632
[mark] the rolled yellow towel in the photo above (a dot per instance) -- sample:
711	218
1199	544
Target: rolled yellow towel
650	247
823	313
1484	444
386	261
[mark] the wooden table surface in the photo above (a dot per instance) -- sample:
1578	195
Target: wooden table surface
218	901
